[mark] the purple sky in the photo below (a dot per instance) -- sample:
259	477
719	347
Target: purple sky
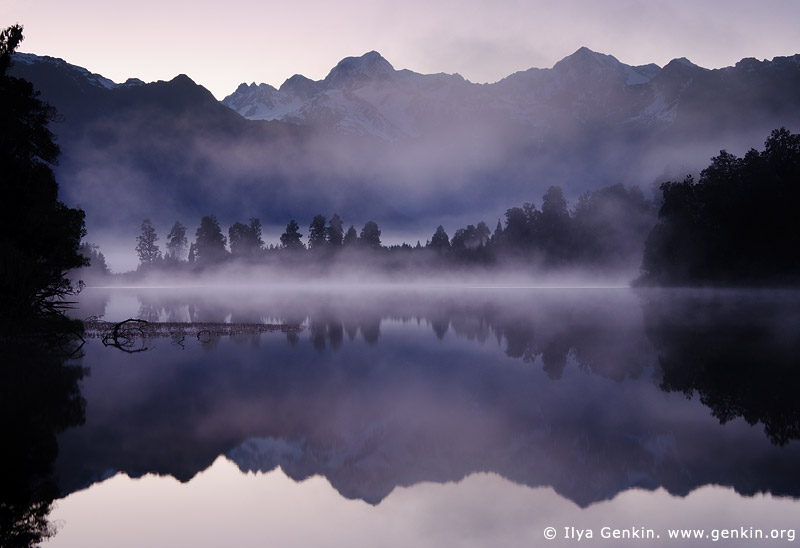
221	44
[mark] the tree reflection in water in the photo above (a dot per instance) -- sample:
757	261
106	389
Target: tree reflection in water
39	398
557	388
740	353
738	350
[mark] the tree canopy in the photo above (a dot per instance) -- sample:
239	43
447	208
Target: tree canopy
209	242
40	241
177	244
737	225
440	241
606	230
146	246
370	236
350	237
39	236
317	233
290	239
246	240
335	232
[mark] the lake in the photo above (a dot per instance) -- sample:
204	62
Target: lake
437	417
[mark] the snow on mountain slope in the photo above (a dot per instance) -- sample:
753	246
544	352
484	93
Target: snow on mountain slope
416	147
80	73
367	96
360	96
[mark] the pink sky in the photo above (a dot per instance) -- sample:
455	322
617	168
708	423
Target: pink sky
221	44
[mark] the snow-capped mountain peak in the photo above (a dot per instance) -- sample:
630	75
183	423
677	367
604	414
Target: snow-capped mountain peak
366	96
299	85
353	71
80	72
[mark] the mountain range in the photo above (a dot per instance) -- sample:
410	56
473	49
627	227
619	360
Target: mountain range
367	96
407	150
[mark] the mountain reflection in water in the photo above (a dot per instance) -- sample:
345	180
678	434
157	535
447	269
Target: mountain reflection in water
591	395
567	389
223	507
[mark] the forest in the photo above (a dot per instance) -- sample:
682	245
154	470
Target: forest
735	226
604	231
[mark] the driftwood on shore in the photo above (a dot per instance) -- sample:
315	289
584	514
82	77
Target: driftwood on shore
130	335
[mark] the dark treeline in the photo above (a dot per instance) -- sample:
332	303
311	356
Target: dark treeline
39	243
39	235
737	225
605	230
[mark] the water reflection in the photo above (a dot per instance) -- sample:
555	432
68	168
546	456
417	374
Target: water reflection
570	390
602	329
223	507
739	351
39	398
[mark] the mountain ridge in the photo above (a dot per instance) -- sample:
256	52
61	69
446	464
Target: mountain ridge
420	149
366	96
585	80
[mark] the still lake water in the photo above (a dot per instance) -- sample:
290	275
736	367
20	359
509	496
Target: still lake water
438	417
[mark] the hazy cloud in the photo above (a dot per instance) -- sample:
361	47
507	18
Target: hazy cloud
221	47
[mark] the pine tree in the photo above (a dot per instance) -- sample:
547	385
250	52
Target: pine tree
177	244
291	238
440	241
335	232
350	237
246	240
482	233
497	236
316	233
146	244
370	236
209	241
97	267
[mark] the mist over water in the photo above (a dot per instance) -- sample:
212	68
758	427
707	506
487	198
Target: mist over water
478	370
519	353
